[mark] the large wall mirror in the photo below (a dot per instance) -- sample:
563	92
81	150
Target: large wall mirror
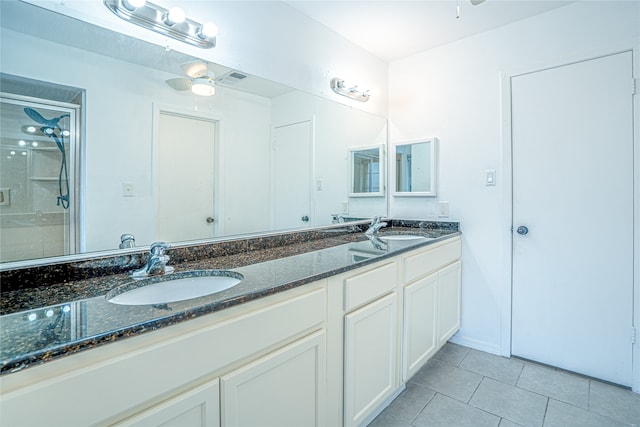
413	167
96	144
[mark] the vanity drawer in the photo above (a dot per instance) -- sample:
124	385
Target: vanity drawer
431	259
369	285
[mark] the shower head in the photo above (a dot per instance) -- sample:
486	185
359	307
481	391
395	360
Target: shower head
37	117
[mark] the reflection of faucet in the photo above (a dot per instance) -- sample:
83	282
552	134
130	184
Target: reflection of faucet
375	226
376	242
157	263
127	241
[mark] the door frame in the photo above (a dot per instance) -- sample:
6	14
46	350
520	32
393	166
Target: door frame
312	167
506	182
218	173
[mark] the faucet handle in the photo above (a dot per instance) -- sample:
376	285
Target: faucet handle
158	248
375	220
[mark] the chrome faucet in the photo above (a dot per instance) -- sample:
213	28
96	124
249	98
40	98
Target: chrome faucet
375	226
157	263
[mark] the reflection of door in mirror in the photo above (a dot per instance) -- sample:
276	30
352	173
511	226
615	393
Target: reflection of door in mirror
365	165
38	145
292	148
184	178
415	168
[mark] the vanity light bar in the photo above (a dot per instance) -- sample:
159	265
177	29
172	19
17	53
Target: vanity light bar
350	91
162	21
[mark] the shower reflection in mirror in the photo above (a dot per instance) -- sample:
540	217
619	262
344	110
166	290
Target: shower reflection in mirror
414	167
367	171
39	144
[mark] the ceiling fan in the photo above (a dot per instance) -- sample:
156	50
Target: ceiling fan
473	2
199	80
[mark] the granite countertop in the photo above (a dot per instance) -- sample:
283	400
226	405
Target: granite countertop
43	322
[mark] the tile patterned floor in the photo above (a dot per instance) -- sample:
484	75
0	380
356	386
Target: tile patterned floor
462	387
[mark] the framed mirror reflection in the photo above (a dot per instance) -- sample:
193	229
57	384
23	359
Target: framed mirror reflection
367	171
413	167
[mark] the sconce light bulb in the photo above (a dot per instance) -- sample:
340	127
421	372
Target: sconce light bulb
66	133
31	129
132	5
175	15
22	143
208	30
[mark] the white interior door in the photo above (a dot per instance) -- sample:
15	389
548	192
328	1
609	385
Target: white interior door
292	175
572	130
184	178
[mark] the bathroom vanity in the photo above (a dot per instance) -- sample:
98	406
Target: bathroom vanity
324	337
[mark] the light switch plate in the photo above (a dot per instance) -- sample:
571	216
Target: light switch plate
443	209
490	177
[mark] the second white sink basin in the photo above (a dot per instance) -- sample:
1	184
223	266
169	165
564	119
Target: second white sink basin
175	287
400	237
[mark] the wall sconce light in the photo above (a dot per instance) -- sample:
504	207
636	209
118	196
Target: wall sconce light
343	88
171	22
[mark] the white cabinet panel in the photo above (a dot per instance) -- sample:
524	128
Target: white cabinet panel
283	388
199	407
448	302
420	320
370	365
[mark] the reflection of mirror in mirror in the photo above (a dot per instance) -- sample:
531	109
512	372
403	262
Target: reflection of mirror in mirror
414	168
366	172
124	99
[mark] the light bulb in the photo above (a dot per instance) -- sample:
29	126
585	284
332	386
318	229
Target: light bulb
34	143
22	143
31	129
66	133
132	5
208	30
175	15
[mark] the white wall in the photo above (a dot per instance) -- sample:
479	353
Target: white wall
268	39
454	92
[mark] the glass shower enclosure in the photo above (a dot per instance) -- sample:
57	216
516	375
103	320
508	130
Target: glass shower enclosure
38	163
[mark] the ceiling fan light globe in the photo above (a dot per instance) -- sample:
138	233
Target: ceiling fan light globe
203	87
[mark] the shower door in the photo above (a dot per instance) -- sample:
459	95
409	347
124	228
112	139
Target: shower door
37	179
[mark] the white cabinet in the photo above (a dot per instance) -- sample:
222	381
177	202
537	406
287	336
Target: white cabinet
420	335
431	302
199	407
370	366
448	302
283	388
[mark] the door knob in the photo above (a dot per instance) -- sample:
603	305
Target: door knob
522	230
210	220
305	218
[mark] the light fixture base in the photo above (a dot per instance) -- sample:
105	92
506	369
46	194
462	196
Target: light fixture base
339	87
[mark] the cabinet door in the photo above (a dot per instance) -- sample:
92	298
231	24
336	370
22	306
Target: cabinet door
449	302
420	338
283	388
370	364
199	407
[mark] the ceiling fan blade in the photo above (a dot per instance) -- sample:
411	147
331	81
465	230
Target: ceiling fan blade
195	69
179	83
476	2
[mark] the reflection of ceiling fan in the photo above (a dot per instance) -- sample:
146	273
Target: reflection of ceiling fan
473	2
199	80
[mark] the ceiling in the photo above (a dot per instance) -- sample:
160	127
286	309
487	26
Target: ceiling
394	29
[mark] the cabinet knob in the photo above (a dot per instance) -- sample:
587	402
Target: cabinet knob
522	230
210	220
305	218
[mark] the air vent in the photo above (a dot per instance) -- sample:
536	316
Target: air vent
231	78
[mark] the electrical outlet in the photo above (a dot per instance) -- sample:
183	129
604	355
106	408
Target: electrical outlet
127	189
5	197
345	207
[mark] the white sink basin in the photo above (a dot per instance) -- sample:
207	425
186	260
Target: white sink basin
175	287
400	237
